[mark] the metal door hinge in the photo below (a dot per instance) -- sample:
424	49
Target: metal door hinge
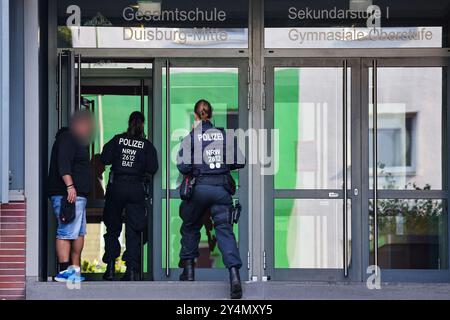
248	75
248	99
248	260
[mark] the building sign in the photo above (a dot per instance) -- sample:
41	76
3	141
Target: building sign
148	25
303	38
129	37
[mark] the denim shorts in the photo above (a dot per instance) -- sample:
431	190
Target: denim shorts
76	228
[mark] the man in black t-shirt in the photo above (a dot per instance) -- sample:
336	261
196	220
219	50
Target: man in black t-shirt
69	178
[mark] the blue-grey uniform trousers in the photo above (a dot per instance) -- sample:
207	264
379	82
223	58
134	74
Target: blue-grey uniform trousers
219	202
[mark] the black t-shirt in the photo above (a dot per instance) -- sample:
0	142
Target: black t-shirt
69	157
130	156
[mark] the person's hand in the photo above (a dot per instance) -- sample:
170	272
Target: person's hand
71	194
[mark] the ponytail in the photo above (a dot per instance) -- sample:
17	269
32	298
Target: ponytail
203	110
136	125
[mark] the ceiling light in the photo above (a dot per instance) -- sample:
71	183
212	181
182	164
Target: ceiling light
149	6
360	5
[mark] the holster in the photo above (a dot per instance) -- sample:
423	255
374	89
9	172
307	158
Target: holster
187	187
235	213
147	186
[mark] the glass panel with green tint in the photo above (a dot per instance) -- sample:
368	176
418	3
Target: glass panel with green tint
220	86
111	105
188	85
412	234
308	233
207	258
308	117
111	115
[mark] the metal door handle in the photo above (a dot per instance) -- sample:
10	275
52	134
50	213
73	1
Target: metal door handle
375	159
167	168
345	163
79	81
59	102
142	96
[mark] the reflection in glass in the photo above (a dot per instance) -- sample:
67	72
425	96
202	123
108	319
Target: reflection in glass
409	128
412	234
309	233
308	117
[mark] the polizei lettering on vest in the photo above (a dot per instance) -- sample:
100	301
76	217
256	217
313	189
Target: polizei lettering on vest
132	143
215	136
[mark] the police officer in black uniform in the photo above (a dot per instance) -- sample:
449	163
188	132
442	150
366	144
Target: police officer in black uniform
131	156
208	154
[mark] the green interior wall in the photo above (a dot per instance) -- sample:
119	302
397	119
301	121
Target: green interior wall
286	115
221	88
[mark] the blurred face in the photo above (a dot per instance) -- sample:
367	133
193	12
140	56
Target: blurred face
83	129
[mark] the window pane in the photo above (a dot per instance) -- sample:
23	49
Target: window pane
308	118
412	234
410	144
309	233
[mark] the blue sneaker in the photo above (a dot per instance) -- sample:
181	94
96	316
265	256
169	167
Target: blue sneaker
71	274
63	276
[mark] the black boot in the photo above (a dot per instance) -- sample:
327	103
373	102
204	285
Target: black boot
110	270
188	271
235	284
131	275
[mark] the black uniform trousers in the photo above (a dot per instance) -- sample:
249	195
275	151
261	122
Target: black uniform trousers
219	202
128	195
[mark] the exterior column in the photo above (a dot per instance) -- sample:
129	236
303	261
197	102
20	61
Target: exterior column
256	183
32	159
4	101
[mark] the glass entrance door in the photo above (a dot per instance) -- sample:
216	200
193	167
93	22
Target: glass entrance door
179	84
331	216
407	142
312	213
111	90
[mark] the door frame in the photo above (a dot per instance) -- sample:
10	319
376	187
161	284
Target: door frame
354	130
70	102
171	274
